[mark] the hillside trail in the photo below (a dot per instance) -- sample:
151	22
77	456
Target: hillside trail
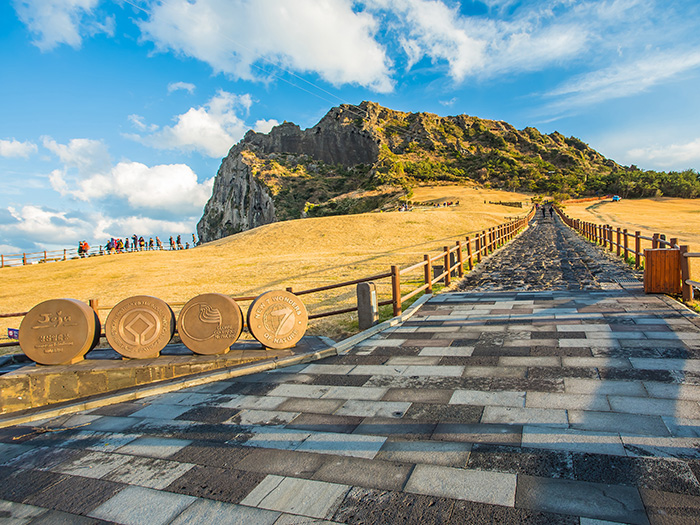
550	256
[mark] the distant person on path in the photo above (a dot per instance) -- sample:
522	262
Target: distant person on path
126	244
543	215
179	243
150	243
159	245
172	243
142	243
135	243
551	211
194	241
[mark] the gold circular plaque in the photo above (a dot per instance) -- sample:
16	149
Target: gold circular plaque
277	319
139	327
210	323
59	332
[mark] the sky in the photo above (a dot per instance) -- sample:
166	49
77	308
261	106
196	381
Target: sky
115	114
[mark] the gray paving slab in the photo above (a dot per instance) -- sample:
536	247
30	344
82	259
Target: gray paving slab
447	454
154	447
480	486
139	505
204	511
525	416
352	445
593	500
148	472
18	514
377	474
316	499
566	401
355	407
479	398
617	422
590	442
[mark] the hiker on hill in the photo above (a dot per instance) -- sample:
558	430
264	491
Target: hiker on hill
179	243
551	211
150	243
135	242
172	243
159	245
194	241
126	244
543	210
142	243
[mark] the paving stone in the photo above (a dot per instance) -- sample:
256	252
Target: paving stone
92	464
338	380
291	519
314	406
682	427
138	505
262	417
273	437
444	413
220	484
56	517
607	502
206	414
154	447
654	407
364	506
672	391
424	395
426	452
473	485
325	423
572	440
118	409
525	416
211	454
475	397
675	447
282	462
205	511
317	499
666	507
599	387
378	474
148	472
253	403
75	494
567	401
354	407
615	422
353	445
517	460
496	371
478	433
404	428
454	350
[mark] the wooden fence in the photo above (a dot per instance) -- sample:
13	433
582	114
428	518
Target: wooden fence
454	259
632	246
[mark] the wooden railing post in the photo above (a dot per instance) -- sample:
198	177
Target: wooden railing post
685	275
469	253
448	270
610	235
396	289
626	243
24	259
460	260
674	243
619	241
428	274
65	254
655	241
44	255
2	261
637	249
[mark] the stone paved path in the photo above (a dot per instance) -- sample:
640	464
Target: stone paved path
557	405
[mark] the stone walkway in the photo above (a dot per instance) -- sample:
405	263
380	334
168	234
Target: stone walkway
565	399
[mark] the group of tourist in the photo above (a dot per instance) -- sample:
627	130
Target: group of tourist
137	243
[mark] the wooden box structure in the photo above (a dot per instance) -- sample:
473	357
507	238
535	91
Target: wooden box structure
662	271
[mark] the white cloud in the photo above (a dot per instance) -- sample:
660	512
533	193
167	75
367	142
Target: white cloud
626	79
242	37
55	22
181	86
15	148
210	129
669	156
37	224
264	126
140	123
107	227
165	187
86	155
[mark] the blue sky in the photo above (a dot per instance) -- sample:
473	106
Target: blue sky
115	114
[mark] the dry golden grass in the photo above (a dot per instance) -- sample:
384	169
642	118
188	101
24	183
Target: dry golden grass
673	217
303	254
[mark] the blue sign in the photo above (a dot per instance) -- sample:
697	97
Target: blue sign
13	333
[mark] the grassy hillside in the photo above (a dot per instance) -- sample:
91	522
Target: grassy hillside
302	253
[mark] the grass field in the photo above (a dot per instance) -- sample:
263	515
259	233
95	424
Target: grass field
673	217
304	254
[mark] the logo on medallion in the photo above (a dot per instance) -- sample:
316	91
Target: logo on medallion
278	319
139	327
210	323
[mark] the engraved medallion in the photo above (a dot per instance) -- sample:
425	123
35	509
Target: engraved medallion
210	323
59	332
139	327
278	319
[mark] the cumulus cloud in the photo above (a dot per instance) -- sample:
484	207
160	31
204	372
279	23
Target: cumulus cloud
181	86
140	123
243	37
36	224
15	148
86	155
55	22
163	187
210	129
264	126
107	227
670	155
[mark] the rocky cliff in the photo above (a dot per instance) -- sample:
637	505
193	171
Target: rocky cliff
360	158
